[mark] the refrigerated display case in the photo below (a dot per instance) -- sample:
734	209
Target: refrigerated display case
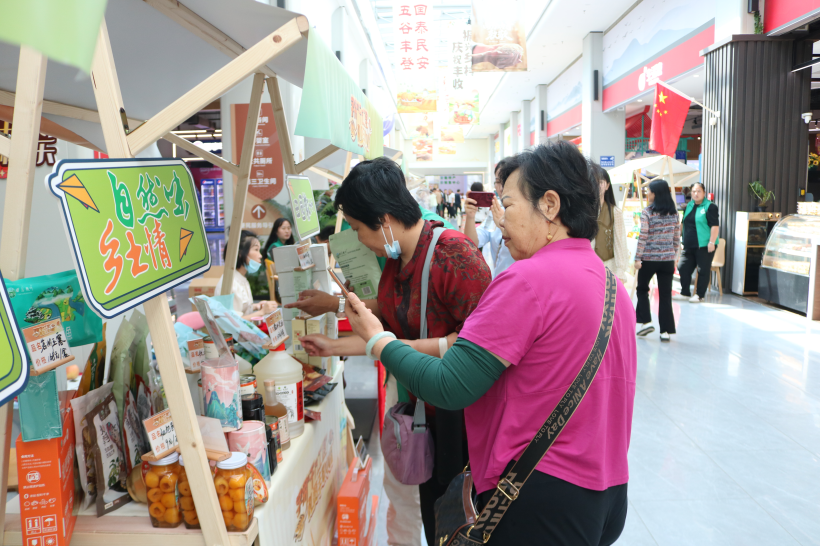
213	203
789	262
751	231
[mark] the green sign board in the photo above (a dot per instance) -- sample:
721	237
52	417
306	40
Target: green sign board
13	356
135	226
303	207
333	106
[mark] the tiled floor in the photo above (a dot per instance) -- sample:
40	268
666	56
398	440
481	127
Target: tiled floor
726	432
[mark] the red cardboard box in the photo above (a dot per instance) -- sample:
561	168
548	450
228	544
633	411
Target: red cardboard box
45	470
352	505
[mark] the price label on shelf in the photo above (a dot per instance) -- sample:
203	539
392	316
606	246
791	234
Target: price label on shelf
305	257
196	354
47	346
276	328
161	433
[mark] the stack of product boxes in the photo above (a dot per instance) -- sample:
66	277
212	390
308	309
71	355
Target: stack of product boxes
290	282
357	510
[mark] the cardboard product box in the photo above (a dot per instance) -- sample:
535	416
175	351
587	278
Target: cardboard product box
203	287
320	257
370	539
287	260
316	325
215	272
352	505
298	328
287	285
46	486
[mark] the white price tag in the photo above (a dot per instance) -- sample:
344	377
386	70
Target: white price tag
305	257
196	354
47	346
276	328
161	433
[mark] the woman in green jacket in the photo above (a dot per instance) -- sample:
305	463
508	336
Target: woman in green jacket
700	238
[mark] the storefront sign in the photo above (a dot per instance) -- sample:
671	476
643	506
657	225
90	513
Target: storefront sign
332	103
607	161
303	207
13	367
265	200
135	228
47	346
499	41
161	433
780	16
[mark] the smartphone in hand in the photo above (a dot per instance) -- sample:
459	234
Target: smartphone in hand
483	199
345	291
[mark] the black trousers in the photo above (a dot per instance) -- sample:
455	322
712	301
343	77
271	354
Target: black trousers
552	511
664	271
689	260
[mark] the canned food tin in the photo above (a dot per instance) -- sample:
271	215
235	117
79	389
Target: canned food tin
211	352
247	384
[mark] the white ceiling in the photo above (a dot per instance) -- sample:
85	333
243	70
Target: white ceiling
555	32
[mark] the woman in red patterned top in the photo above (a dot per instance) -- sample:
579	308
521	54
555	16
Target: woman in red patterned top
387	219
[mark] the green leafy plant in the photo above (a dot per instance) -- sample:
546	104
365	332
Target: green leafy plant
759	192
758	23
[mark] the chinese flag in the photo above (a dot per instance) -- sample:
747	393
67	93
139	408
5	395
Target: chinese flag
668	115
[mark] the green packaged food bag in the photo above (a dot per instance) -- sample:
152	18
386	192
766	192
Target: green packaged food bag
45	298
39	403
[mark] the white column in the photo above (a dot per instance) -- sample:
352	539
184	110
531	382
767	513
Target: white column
603	135
489	177
732	17
526	125
502	150
538	110
515	119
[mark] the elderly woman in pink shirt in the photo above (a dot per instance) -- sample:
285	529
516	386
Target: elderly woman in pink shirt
520	351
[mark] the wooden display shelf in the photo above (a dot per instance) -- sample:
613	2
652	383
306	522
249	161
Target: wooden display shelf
129	531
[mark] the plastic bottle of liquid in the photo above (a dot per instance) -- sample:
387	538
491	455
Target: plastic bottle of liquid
274	408
287	372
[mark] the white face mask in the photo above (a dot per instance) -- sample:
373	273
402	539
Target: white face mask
393	251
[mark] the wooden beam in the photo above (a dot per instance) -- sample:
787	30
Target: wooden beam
31	80
302	166
397	155
281	125
241	189
204	154
327	173
51	128
5	145
202	29
218	84
348	159
109	102
65	110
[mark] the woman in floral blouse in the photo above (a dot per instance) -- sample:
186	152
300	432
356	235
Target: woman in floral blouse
387	219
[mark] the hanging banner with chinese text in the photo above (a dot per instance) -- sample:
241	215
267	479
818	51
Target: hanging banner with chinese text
459	74
14	370
333	106
499	40
135	227
415	38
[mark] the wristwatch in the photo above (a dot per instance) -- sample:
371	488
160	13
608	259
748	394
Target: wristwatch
341	305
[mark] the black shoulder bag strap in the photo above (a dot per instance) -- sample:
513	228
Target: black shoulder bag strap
510	485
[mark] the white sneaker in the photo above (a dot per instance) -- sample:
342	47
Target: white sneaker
664	336
696	299
644	329
681	297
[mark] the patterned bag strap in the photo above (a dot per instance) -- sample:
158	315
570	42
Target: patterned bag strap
510	485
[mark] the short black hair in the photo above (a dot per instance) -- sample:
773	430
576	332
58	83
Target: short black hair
477	186
326	233
375	188
559	167
245	241
701	186
663	203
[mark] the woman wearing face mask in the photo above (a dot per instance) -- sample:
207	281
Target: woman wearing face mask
248	261
280	235
520	350
388	221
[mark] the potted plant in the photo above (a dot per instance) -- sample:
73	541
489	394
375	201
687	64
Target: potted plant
763	196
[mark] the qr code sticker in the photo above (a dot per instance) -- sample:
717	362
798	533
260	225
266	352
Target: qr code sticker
366	290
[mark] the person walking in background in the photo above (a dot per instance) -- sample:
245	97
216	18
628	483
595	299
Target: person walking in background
490	231
451	204
439	202
610	243
432	202
700	238
458	201
658	249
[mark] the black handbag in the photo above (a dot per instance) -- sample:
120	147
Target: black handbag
457	522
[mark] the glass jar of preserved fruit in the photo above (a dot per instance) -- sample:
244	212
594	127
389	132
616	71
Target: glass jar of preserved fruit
162	482
234	488
186	500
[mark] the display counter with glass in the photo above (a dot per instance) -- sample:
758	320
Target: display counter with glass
788	271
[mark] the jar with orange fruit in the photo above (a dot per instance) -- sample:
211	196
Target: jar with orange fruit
186	500
162	482
234	488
